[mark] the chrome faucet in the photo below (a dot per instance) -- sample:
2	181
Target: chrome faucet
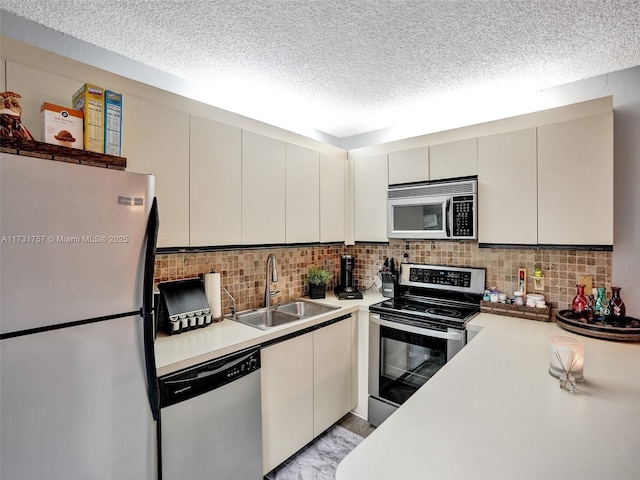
274	277
233	309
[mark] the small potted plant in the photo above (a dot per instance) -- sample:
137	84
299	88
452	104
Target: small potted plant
317	279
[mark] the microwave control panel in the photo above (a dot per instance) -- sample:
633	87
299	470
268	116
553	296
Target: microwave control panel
463	216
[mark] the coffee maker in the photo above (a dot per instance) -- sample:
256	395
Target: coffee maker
347	290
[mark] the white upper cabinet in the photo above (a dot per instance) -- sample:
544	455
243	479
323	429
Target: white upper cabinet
215	212
453	159
263	189
408	166
302	195
575	182
332	198
507	188
155	139
370	198
446	160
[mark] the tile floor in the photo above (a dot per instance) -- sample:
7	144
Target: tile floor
356	425
319	459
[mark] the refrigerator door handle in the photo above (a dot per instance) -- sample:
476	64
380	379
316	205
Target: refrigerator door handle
153	388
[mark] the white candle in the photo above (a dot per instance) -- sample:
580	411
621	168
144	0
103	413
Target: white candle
565	346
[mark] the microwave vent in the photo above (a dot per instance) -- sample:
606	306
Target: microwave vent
457	188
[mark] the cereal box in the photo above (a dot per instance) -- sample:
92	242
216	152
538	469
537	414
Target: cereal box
90	101
61	125
112	123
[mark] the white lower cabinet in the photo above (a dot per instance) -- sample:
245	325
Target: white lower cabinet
360	391
287	399
332	378
308	384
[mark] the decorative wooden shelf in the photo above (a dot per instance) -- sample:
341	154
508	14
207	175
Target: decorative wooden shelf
511	310
31	148
565	319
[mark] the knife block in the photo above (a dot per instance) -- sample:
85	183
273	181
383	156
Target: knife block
389	288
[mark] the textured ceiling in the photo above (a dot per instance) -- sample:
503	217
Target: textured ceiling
346	67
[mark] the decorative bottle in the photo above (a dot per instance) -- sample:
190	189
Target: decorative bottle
601	304
616	305
580	302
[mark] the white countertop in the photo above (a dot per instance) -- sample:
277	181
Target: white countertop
494	412
174	352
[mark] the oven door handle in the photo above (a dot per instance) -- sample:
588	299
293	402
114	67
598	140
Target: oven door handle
417	330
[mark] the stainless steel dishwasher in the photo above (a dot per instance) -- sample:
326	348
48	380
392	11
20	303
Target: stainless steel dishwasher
211	421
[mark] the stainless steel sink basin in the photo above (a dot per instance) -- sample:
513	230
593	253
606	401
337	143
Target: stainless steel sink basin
264	318
303	308
267	318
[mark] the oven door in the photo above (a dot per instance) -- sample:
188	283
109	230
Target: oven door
402	358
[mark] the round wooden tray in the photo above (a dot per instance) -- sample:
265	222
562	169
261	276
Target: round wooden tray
606	332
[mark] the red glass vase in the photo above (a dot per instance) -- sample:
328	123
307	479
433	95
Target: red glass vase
616	305
580	302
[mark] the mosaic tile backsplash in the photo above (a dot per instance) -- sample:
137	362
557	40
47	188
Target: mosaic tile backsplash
243	271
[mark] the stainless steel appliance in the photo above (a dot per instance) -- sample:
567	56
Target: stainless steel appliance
347	288
211	420
416	333
77	370
445	209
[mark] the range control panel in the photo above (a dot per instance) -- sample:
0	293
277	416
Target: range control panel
443	277
430	276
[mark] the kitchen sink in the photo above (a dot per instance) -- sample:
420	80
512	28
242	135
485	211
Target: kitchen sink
303	308
267	318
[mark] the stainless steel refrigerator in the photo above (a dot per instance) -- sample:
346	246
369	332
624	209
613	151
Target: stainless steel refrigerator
78	391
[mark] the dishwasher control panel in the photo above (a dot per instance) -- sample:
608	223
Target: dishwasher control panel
193	381
247	366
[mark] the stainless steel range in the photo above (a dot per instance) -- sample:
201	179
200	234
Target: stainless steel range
414	334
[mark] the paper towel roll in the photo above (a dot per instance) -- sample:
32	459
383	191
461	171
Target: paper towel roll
212	291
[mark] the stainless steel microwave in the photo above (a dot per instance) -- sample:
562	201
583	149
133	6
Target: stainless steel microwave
433	210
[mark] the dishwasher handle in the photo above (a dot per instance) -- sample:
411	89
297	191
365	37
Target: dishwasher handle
209	370
185	384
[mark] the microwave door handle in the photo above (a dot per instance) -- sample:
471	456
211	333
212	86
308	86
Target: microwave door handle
447	226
